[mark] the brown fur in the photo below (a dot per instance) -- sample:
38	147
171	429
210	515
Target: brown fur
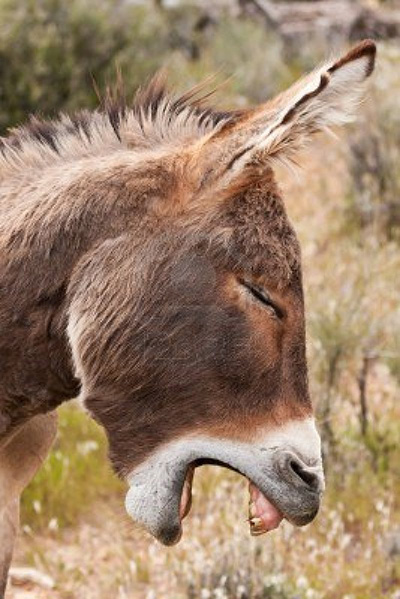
132	227
135	242
21	455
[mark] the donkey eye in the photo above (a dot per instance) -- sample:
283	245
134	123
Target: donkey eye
262	296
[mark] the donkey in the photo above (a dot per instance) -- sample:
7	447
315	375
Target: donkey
148	266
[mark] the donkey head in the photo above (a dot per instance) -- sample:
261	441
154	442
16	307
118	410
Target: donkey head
188	330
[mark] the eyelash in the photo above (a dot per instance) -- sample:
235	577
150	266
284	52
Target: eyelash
262	296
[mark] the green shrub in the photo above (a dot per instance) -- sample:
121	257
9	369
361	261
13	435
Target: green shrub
51	49
75	474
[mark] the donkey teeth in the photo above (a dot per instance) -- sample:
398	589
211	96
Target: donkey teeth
256	527
257	533
252	510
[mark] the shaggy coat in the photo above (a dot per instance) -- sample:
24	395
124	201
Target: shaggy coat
147	264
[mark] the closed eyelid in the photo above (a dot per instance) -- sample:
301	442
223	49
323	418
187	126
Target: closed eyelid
260	294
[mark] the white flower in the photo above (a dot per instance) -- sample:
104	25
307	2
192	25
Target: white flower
37	506
87	447
53	524
302	582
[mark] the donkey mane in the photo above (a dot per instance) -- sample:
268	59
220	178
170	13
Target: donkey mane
155	117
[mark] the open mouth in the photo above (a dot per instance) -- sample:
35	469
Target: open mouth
285	480
263	515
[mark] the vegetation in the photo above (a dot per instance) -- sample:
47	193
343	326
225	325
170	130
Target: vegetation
51	51
347	213
75	474
374	193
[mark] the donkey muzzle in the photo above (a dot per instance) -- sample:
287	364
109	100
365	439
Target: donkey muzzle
287	474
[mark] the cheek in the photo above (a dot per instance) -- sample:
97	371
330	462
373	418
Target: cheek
250	340
231	359
247	369
266	338
261	333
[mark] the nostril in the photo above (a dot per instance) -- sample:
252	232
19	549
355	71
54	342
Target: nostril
310	478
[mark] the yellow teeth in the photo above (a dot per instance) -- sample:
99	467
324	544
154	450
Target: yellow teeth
256	527
252	509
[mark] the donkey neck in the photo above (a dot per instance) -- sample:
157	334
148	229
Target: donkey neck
47	225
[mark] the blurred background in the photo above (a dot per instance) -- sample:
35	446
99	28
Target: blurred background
345	204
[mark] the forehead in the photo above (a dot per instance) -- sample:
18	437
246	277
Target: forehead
247	227
261	240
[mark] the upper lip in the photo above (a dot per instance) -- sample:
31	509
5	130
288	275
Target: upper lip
313	491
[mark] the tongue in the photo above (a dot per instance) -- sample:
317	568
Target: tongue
263	515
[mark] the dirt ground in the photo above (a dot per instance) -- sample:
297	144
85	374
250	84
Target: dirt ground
93	555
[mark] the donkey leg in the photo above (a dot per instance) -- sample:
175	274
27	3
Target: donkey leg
20	458
9	517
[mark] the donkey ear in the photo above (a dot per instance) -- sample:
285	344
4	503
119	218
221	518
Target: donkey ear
277	129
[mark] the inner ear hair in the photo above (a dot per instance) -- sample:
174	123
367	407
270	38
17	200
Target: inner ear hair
326	97
243	148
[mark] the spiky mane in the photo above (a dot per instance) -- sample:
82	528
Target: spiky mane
154	117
